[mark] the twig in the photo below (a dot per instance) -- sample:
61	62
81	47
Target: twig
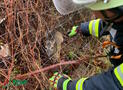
56	65
48	68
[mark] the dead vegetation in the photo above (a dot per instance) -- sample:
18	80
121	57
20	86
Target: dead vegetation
36	35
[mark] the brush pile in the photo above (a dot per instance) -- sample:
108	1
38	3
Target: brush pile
34	40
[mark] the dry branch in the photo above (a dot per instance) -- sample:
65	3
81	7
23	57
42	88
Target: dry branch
56	65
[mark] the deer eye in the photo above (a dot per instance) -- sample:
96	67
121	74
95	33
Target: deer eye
0	47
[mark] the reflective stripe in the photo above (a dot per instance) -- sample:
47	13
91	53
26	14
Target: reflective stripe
90	26
119	73
94	27
97	27
79	85
65	84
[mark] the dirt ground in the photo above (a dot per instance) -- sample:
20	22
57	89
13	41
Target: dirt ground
28	28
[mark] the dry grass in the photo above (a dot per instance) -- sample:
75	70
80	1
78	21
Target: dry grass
24	30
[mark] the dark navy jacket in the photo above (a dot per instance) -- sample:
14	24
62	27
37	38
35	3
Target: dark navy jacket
106	80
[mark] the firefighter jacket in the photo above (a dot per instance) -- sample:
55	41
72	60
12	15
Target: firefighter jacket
110	80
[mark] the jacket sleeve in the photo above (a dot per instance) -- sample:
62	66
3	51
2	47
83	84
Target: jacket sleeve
94	27
111	80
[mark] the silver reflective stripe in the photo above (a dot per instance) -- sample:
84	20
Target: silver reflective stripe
116	51
80	84
120	72
113	32
93	28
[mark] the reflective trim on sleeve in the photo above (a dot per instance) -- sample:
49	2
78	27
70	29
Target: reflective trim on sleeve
90	26
65	84
94	27
119	74
79	85
97	27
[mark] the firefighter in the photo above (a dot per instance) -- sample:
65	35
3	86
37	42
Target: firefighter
109	13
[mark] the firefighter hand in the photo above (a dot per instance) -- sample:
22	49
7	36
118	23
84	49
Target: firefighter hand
54	79
73	32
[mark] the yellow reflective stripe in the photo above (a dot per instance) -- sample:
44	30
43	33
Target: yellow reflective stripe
91	26
119	73
65	84
97	27
79	85
121	67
